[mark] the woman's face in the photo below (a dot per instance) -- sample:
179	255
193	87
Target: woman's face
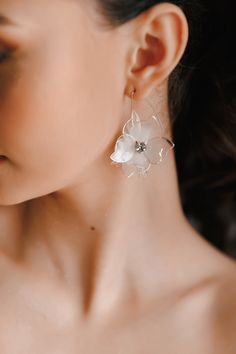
61	94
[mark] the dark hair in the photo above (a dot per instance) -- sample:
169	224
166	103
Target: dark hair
202	104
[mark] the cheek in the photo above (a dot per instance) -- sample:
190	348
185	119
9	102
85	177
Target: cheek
54	123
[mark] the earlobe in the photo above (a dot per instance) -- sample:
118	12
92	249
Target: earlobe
162	36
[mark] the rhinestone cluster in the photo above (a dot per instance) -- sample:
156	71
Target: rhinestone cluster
140	146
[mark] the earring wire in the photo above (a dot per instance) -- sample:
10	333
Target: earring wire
132	97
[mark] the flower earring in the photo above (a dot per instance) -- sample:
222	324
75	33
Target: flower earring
141	144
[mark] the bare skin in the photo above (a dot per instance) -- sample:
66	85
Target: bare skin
91	261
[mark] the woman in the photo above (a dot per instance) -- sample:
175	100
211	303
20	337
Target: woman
93	260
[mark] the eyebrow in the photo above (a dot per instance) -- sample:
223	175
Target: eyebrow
6	21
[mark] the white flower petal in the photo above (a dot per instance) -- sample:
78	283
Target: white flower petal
150	128
143	130
124	149
157	149
140	160
133	126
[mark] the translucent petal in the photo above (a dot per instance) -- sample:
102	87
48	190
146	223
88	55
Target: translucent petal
159	124
116	164
133	126
143	172
150	128
140	160
129	169
124	149
157	149
143	130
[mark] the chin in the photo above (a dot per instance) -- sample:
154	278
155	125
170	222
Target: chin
10	199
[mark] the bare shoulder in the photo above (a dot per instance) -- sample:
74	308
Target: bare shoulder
207	312
224	312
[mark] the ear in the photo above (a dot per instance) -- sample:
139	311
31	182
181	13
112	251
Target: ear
159	37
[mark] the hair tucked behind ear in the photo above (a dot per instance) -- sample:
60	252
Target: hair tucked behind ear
202	104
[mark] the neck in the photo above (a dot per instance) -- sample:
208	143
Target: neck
107	237
109	234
